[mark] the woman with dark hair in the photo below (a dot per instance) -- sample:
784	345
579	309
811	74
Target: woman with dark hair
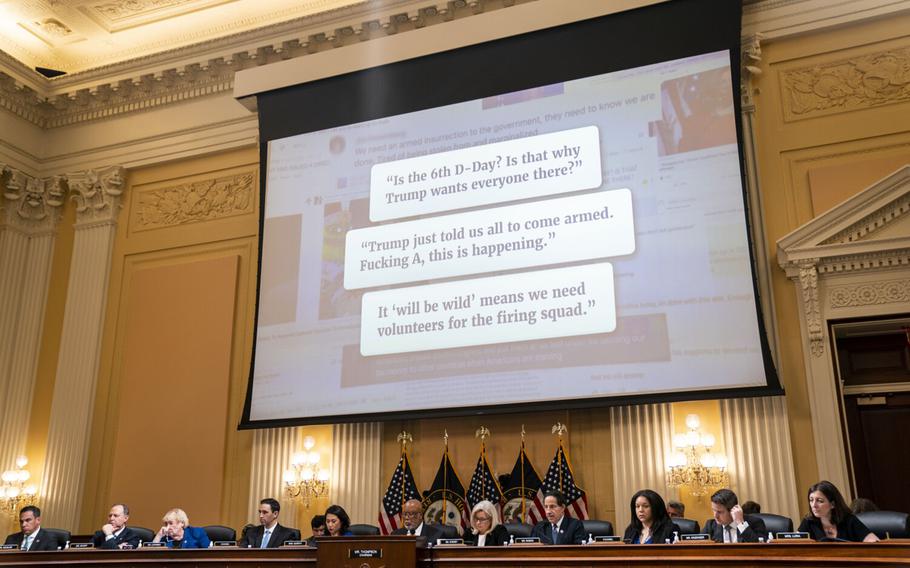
829	518
650	522
337	521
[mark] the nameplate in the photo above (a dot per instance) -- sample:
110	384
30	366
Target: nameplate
526	540
153	545
791	536
696	537
224	543
9	547
294	543
449	541
365	553
78	545
608	539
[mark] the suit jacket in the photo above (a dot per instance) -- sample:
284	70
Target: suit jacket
127	535
661	533
43	541
430	532
499	536
571	531
193	537
253	537
755	530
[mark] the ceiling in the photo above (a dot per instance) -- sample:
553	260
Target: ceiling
79	35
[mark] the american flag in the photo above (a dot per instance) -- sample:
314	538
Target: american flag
484	486
559	478
402	488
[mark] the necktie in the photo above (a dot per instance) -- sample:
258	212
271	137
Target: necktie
728	537
555	533
28	541
265	538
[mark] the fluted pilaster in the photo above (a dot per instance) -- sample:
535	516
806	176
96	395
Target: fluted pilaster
97	194
29	211
757	440
271	456
642	436
355	469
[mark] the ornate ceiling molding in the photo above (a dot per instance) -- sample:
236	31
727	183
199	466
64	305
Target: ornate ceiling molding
46	104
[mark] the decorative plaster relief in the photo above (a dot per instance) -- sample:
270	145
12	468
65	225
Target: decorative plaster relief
115	16
97	194
860	82
869	294
195	202
29	203
808	283
872	222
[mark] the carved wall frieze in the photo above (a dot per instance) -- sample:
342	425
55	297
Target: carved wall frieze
194	202
97	194
872	293
210	76
30	204
808	283
865	81
872	222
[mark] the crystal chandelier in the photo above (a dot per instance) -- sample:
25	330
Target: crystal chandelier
306	480
15	493
693	465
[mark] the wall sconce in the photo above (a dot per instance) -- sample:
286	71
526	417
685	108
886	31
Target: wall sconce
693	465
306	480
14	493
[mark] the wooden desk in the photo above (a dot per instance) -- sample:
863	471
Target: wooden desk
804	555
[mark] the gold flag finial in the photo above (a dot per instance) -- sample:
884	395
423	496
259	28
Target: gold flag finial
483	433
405	438
445	437
559	429
522	433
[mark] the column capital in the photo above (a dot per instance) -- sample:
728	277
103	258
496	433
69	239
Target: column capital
750	58
97	194
29	204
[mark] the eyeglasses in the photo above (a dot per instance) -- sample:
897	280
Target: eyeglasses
412	514
480	519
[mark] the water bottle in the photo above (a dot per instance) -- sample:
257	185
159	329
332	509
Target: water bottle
675	537
770	536
511	539
590	538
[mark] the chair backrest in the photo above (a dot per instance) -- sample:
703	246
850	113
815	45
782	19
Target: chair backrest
886	523
686	526
775	523
62	536
595	527
448	531
145	535
220	532
518	529
364	530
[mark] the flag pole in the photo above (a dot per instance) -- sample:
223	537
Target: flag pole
482	433
403	439
522	487
560	429
445	477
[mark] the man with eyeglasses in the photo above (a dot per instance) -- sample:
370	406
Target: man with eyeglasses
412	519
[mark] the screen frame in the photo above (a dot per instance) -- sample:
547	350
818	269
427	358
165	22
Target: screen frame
686	28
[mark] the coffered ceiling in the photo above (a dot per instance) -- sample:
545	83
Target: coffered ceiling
78	35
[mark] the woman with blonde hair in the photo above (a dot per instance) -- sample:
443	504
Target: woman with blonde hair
177	532
485	526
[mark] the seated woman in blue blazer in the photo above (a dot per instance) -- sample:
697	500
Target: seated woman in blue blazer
178	533
337	521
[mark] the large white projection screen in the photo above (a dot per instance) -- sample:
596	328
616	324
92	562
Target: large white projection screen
570	242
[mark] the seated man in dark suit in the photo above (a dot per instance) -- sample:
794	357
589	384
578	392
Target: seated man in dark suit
558	528
115	534
412	519
31	537
729	523
269	534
